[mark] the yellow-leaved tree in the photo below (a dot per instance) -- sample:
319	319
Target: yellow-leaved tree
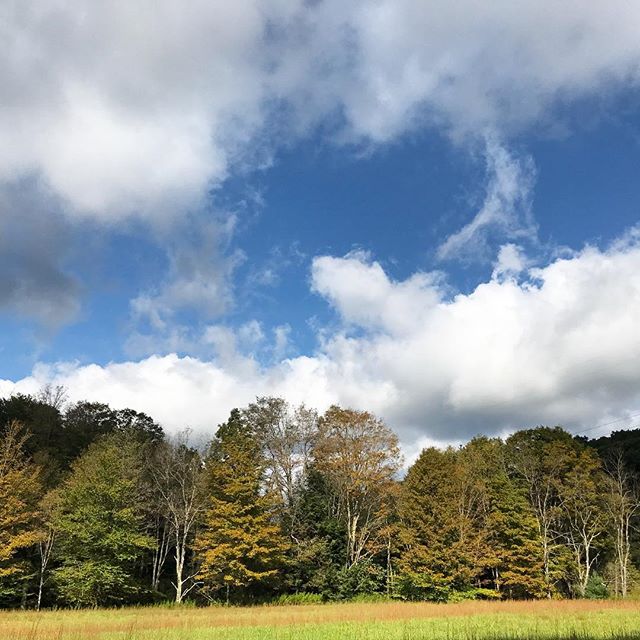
240	544
20	490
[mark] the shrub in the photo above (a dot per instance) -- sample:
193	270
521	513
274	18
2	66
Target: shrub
299	598
596	588
423	586
364	578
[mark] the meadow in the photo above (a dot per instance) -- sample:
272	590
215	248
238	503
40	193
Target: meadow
540	620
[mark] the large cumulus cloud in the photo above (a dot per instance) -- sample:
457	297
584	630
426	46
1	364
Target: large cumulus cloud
555	345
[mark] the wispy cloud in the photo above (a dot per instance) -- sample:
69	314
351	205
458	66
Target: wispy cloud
506	212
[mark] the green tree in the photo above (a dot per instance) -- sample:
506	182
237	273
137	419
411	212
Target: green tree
512	550
99	520
85	422
467	526
239	544
320	537
439	509
46	444
625	443
540	459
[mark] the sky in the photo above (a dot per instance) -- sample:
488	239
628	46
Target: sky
426	209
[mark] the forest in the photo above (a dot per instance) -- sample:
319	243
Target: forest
100	507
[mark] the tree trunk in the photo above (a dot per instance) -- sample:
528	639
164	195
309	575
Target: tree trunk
179	570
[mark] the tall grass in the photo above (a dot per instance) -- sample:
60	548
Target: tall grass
562	620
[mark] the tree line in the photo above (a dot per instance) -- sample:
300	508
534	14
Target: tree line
98	507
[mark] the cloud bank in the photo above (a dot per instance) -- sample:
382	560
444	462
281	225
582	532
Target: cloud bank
559	345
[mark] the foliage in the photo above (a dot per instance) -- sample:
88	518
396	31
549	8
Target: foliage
358	455
99	519
596	589
20	488
98	508
47	442
431	565
298	598
358	580
239	544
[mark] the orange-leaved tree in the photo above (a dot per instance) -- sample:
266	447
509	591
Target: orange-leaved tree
20	489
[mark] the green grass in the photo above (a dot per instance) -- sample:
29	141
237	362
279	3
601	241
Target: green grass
578	620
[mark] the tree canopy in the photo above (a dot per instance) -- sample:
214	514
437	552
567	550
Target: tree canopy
98	506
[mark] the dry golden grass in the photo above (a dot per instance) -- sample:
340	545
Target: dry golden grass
601	619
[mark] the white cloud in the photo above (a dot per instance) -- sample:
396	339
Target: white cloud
506	208
363	294
130	108
562	346
511	261
470	66
141	109
137	109
199	279
125	109
180	392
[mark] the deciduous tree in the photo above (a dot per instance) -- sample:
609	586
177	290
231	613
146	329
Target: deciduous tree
541	457
359	456
178	482
20	490
623	506
101	525
584	518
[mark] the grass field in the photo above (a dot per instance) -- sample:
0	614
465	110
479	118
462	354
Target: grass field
359	621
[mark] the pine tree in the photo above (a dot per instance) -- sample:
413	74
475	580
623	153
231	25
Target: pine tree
239	544
539	460
513	538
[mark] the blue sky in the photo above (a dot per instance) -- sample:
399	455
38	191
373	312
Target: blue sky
387	206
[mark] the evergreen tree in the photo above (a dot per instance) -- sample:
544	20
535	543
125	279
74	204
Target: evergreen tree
539	460
46	444
239	544
508	546
320	535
